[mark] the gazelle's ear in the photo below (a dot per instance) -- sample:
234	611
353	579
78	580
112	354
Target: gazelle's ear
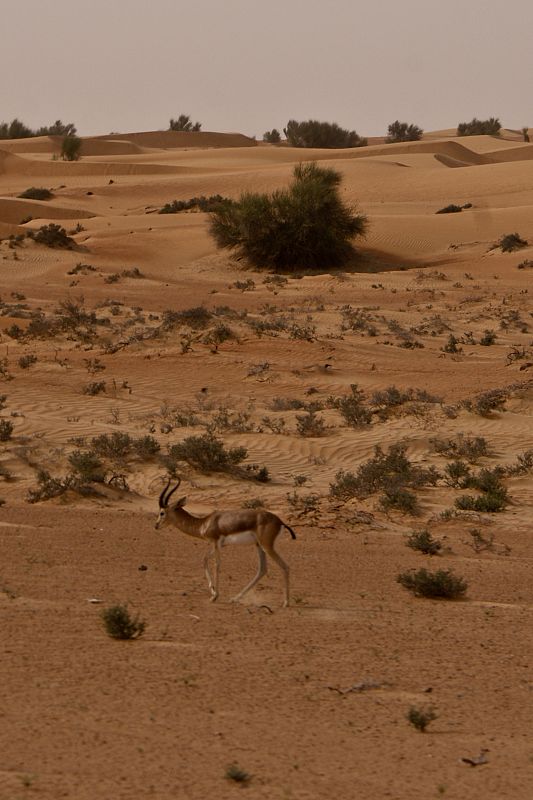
181	502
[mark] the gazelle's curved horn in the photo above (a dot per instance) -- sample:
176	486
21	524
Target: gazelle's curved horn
162	495
169	495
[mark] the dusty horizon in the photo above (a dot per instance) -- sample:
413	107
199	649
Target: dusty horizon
110	69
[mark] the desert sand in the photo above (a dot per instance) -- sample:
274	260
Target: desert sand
210	685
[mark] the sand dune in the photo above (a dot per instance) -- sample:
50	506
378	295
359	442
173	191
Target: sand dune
14	210
172	139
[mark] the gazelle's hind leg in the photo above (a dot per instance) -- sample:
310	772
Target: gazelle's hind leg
262	568
269	549
213	586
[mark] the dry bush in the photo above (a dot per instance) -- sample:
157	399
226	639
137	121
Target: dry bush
443	583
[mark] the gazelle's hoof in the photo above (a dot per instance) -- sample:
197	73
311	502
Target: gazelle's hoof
214	597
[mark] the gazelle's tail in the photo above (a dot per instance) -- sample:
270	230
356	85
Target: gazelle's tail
293	535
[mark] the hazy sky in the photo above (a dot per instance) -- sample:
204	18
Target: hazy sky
250	65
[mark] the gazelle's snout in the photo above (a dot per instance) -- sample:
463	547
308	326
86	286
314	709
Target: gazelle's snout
160	519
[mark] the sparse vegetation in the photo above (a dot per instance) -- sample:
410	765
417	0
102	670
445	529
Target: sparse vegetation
352	407
453	208
309	424
18	130
236	774
27	361
440	584
470	447
6	430
304	226
119	624
71	148
207	453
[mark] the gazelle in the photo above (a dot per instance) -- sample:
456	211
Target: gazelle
220	528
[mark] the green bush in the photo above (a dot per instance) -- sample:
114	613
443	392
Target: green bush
87	466
207	453
197	318
470	447
442	583
420	718
119	623
272	137
71	148
6	430
15	130
36	193
202	203
511	242
424	542
52	235
304	226
399	499
313	133
184	123
309	424
479	127
115	446
27	361
352	408
450	209
385	471
403	132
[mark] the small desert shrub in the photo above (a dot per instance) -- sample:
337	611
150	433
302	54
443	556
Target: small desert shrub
424	542
352	408
87	466
399	499
488	338
36	193
254	502
494	496
451	345
219	334
313	133
146	447
420	718
403	132
119	623
207	453
236	421
286	404
527	264
6	430
201	203
81	268
114	277
49	486
27	361
71	148
442	583
457	473
115	446
94	388
487	402
470	447
304	504
511	242
309	424
196	318
305	226
480	127
52	235
236	774
272	137
451	209
385	471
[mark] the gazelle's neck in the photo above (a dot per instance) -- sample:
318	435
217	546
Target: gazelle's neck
185	521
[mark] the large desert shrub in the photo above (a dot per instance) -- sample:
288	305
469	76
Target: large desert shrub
272	137
477	127
304	226
403	132
15	130
184	123
71	148
313	133
36	193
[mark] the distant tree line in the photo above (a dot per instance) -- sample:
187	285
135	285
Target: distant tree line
18	130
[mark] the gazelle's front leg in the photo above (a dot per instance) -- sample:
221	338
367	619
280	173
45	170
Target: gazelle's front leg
213	587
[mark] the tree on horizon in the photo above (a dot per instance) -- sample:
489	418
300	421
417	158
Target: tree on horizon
313	133
184	123
403	132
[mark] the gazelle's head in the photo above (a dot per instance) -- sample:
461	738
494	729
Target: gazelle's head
164	497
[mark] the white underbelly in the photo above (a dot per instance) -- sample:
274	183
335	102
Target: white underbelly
246	537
